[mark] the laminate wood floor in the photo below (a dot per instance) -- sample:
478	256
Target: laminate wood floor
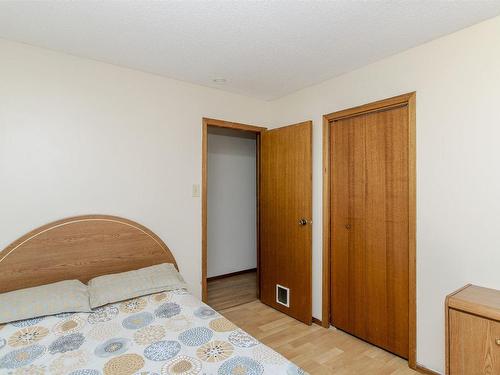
316	349
232	291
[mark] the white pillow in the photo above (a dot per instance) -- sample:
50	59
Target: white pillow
126	285
61	297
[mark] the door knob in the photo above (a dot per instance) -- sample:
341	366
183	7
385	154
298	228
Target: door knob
303	221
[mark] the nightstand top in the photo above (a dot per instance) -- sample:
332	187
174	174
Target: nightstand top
476	300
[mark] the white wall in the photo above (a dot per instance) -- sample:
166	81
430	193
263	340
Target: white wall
457	79
82	137
232	202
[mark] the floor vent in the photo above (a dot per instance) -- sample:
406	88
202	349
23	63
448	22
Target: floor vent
282	295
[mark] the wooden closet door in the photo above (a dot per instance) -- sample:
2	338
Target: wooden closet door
369	218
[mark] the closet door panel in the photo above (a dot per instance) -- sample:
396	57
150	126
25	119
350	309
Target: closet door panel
397	230
375	248
357	239
387	229
348	240
369	215
341	140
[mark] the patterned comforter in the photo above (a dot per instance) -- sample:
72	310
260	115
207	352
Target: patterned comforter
164	333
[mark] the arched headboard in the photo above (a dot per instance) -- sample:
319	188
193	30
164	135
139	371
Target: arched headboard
80	248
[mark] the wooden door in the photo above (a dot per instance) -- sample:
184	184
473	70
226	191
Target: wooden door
369	227
473	347
286	199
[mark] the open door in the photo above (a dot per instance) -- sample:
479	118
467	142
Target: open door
285	220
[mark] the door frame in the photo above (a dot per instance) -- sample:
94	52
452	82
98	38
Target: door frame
408	99
206	122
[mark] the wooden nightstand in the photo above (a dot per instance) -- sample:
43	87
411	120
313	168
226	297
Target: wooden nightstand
473	331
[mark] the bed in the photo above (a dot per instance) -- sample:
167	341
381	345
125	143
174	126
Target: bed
170	332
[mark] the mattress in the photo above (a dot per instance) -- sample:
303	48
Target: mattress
164	333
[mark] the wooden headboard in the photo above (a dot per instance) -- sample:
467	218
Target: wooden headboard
80	248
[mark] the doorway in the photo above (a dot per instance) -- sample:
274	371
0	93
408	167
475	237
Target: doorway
283	210
369	223
230	195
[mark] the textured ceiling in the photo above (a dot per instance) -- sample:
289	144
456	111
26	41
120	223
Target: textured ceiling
264	49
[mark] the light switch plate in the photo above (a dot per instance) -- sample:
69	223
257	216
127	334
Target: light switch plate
196	190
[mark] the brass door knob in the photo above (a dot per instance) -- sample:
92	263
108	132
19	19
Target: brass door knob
304	221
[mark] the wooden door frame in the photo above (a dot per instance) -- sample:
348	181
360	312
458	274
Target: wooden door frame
206	122
405	99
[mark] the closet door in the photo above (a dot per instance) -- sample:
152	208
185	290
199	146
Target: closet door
369	233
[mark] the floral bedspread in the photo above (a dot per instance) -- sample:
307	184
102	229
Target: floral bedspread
164	333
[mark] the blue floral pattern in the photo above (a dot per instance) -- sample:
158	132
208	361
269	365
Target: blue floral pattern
67	343
21	357
241	365
168	310
162	350
204	313
242	339
196	336
138	321
112	347
27	322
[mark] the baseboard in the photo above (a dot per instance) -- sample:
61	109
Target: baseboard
425	370
231	274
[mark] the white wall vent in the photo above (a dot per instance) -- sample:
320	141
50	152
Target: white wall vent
282	295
